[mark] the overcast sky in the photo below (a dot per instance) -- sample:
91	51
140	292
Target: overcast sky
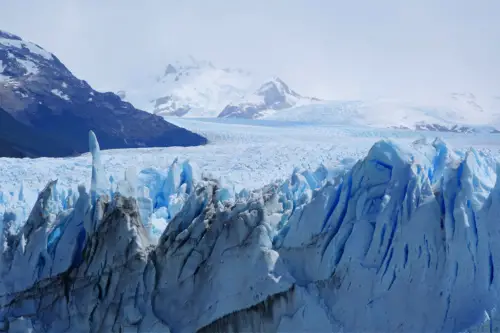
328	48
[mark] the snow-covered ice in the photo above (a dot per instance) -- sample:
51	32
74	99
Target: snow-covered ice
467	110
30	66
241	153
404	238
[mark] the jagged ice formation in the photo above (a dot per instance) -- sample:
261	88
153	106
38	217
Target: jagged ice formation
403	241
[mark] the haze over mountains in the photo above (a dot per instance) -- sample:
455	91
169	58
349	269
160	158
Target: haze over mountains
194	88
42	95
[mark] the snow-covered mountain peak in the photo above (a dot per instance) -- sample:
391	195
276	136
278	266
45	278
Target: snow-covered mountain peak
274	95
8	35
275	86
27	70
9	40
184	66
190	61
192	88
20	58
170	70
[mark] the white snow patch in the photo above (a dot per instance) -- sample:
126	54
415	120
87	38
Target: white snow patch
64	85
8	81
30	66
2	68
33	48
23	95
60	94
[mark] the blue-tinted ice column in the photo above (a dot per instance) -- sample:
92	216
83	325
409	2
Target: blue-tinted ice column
145	207
98	185
21	192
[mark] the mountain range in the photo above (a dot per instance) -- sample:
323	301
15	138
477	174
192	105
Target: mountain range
198	89
47	111
193	88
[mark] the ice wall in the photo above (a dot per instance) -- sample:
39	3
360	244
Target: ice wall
403	241
161	193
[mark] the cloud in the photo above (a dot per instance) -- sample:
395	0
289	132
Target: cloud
330	48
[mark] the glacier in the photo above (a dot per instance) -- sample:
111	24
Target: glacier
401	240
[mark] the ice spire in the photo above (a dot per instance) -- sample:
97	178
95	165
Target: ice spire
131	178
145	207
173	180
97	186
21	192
127	186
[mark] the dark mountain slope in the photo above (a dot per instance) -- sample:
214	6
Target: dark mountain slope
37	90
19	140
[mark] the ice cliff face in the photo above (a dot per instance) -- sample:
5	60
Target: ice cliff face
405	240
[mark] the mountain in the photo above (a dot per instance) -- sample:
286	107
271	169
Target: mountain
37	90
271	97
20	140
312	254
190	88
193	88
464	113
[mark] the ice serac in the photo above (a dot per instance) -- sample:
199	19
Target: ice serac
405	240
97	185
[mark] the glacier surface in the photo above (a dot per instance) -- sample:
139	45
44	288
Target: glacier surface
404	239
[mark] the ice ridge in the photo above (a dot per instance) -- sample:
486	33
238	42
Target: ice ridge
405	239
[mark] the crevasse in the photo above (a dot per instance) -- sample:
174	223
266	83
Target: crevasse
405	240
